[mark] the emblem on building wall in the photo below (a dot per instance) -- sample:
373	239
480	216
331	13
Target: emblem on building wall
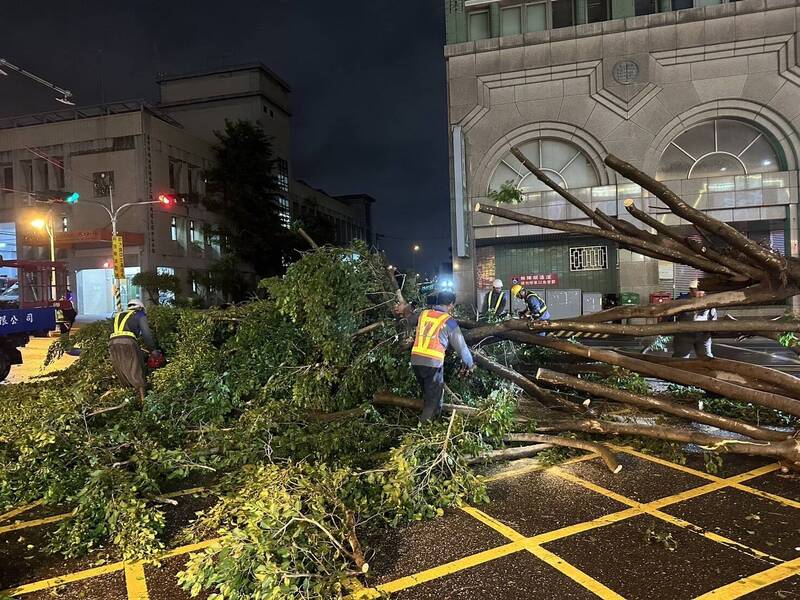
626	72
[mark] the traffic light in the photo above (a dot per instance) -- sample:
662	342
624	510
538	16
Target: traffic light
72	198
167	200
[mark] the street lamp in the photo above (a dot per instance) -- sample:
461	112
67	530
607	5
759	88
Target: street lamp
414	250
47	225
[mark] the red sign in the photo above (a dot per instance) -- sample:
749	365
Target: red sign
537	279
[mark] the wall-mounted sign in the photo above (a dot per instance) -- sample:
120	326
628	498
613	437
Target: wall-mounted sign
537	279
626	72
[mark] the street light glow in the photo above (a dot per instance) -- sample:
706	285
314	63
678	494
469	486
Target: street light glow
416	247
38	224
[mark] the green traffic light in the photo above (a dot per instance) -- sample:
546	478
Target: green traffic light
72	198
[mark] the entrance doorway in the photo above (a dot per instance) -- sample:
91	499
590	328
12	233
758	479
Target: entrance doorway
95	295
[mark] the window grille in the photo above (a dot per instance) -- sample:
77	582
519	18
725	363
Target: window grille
588	258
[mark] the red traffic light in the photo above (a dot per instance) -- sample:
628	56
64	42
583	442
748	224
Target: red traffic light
166	200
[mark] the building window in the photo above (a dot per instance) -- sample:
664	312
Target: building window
192	174
65	224
284	212
27	174
173	175
535	17
596	10
563	13
588	258
645	7
719	148
283	175
511	20
682	4
479	25
173	229
8	178
562	161
103	183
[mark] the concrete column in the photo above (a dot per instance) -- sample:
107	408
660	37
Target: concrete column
794	245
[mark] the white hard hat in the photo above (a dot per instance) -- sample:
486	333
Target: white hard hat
135	304
498	283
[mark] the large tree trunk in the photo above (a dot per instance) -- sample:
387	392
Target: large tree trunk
735	328
509	454
787	450
729	390
649	402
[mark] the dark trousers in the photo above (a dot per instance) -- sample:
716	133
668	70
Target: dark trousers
431	379
128	362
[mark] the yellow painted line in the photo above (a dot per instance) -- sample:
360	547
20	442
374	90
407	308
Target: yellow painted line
535	468
767	495
594	487
499	527
45	584
548	557
190	548
34	523
18	511
755	582
451	567
766	469
558	534
135	582
573	573
666	463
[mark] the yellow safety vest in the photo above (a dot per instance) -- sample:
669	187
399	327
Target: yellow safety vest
427	342
497	304
120	319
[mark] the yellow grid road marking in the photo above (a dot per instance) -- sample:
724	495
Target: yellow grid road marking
735	480
573	573
451	567
666	516
754	582
135	582
62	516
499	527
18	511
52	582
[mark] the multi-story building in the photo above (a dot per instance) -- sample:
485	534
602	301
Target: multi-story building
202	101
129	151
704	95
347	217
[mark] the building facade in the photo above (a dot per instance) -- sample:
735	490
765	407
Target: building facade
127	150
703	95
342	218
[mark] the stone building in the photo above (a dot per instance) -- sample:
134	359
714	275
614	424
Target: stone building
703	95
345	218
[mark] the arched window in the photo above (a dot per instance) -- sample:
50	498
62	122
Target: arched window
563	162
718	148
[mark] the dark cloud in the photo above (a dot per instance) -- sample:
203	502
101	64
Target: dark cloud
368	81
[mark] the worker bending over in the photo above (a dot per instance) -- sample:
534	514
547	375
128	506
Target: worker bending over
535	308
495	302
437	330
126	354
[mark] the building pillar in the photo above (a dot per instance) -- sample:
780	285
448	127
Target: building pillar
794	245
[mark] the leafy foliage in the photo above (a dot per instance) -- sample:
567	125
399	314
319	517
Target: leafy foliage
155	284
507	194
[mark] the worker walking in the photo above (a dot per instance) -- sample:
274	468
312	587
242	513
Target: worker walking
495	304
700	342
535	307
126	354
436	331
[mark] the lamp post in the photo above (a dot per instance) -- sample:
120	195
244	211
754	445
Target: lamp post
46	224
113	214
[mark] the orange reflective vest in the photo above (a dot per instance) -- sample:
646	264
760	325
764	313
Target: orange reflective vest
427	342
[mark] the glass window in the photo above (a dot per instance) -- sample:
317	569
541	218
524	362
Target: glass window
718	148
8	177
536	17
511	21
479	25
103	183
644	7
562	161
706	2
563	13
172	175
173	229
192	232
283	175
65	224
597	10
681	4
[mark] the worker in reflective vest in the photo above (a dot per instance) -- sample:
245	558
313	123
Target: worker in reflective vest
123	346
436	331
535	307
495	302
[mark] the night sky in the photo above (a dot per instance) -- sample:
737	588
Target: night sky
367	78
